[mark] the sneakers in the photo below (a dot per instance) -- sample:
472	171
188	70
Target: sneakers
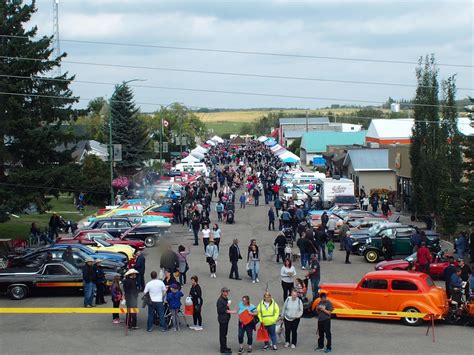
275	347
241	351
319	349
192	327
266	347
116	321
347	262
327	350
213	276
287	345
257	280
303	268
293	346
198	328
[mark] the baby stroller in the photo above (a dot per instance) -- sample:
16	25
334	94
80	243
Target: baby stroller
230	217
168	318
288	232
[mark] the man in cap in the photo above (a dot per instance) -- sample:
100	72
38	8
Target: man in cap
223	317
324	310
88	278
131	297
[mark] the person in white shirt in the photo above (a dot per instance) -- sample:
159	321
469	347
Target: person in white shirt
292	312
287	274
331	226
206	233
156	290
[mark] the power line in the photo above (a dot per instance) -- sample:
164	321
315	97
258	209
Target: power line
214	50
267	76
230	93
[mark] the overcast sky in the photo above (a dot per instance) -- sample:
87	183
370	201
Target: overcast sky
386	30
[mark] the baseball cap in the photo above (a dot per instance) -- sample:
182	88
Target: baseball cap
225	289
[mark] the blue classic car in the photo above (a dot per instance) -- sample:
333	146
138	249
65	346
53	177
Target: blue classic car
92	253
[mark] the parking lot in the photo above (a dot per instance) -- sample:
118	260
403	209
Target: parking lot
95	333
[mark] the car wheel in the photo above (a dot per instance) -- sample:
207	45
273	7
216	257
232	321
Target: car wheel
371	256
150	242
412	321
18	292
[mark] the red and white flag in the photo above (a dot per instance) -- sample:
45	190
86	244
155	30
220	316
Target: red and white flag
166	123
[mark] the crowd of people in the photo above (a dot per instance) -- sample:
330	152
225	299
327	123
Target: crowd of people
248	174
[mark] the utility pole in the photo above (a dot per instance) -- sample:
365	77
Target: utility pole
56	46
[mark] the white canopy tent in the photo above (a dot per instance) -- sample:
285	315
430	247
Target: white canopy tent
217	139
279	152
262	139
211	142
275	148
190	159
200	149
288	154
197	154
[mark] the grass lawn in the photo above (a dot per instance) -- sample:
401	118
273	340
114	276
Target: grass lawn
220	128
19	228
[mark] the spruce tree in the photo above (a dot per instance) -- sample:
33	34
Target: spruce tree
426	138
127	130
467	196
30	113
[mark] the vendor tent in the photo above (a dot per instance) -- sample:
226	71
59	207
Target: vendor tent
190	159
217	139
197	154
211	142
287	155
262	139
270	142
200	149
290	160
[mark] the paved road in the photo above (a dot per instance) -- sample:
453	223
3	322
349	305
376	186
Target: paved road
86	334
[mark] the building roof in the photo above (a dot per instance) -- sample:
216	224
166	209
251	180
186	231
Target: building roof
317	141
302	120
367	159
390	128
293	134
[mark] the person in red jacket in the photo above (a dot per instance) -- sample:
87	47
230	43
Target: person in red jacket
423	258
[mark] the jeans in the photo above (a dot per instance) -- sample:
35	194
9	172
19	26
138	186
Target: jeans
219	216
255	267
88	293
287	286
322	248
324	328
330	255
256	201
272	333
205	241
304	259
223	329
197	318
291	328
174	317
159	309
242	205
116	304
315	287
271	225
196	238
246	329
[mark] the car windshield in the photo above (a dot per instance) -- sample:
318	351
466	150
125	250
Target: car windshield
103	243
429	282
375	229
411	258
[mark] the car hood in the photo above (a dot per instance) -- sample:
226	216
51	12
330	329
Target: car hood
392	264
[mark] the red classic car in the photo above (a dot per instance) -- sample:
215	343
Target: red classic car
87	236
437	266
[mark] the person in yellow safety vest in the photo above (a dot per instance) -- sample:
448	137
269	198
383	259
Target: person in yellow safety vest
268	314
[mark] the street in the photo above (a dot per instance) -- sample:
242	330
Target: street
95	333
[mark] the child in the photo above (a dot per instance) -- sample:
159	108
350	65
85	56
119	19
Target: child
174	303
330	246
116	292
288	252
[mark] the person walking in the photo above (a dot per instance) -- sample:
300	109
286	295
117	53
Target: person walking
88	279
196	225
234	257
304	245
212	253
280	243
256	195
140	267
216	235
242	200
292	312
348	247
223	317
116	294
219	210
314	275
156	290
271	219
268	313
253	258
183	263
324	310
196	295
246	323
206	234
330	246
131	297
287	274
331	228
277	204
423	259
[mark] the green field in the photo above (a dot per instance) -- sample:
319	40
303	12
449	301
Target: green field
220	128
19	228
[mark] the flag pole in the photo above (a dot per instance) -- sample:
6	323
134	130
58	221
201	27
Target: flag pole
161	143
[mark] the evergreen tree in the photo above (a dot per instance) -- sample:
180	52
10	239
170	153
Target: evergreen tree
30	114
451	151
127	130
426	140
467	196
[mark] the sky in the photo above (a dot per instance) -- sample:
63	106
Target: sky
376	30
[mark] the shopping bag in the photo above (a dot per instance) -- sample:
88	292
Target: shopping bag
262	334
188	310
245	317
249	270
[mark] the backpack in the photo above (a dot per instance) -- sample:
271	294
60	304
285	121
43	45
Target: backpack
219	207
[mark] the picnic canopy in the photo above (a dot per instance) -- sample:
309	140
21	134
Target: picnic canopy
190	159
217	139
288	155
270	142
262	139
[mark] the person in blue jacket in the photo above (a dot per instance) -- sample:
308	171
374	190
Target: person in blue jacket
174	303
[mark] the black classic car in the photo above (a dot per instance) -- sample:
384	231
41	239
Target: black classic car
38	257
118	227
55	277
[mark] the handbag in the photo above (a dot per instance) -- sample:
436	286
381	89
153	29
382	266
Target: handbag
146	300
262	334
208	259
186	268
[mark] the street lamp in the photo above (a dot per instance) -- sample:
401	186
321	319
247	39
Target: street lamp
162	112
111	147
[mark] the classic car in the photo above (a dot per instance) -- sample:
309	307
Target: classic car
368	242
102	245
437	266
159	210
136	217
38	257
389	291
53	277
88	236
124	228
102	255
